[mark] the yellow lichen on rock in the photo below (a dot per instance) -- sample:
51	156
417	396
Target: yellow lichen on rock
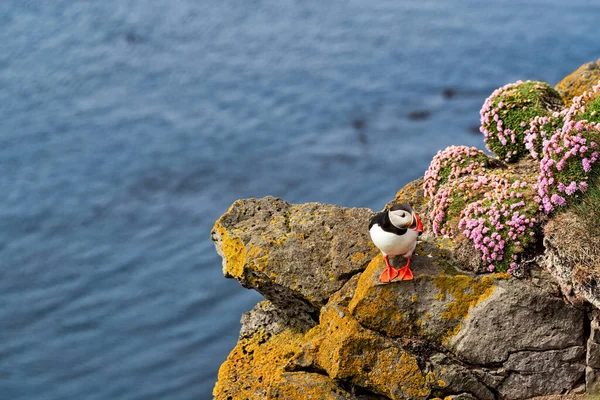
579	81
269	366
256	365
432	306
411	193
346	350
233	252
358	257
365	283
465	290
382	308
306	385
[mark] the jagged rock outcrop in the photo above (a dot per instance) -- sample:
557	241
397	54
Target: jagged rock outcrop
297	256
445	333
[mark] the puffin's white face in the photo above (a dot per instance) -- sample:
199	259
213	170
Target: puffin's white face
400	218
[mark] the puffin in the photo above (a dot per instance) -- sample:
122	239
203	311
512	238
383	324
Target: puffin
395	232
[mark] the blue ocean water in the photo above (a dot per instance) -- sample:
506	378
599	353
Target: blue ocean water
128	127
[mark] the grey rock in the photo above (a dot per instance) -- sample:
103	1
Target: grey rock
592	381
579	389
273	320
538	361
593	354
456	378
524	386
462	396
595	326
514	318
537	373
490	377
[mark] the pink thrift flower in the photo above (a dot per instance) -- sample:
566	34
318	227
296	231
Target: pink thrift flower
571	188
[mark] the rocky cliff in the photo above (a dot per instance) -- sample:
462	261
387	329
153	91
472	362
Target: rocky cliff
505	296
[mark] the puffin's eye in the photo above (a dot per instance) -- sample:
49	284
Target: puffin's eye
403	215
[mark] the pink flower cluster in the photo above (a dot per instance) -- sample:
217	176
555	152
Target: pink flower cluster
498	210
451	163
490	112
506	116
438	213
541	128
569	156
488	207
463	190
500	224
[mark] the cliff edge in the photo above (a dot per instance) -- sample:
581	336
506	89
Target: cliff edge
504	303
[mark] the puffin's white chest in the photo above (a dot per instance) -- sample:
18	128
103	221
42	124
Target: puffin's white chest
391	244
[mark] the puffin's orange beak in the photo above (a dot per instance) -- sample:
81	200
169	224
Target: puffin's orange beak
419	227
419	224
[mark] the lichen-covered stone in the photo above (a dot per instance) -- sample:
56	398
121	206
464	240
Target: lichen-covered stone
579	81
298	254
345	350
306	385
264	363
434	305
412	193
256	365
270	319
450	375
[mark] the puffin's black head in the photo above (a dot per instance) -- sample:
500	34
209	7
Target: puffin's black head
401	215
403	207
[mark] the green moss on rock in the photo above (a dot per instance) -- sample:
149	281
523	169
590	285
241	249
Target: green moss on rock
506	114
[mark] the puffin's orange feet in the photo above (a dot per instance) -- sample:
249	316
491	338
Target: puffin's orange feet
405	274
388	274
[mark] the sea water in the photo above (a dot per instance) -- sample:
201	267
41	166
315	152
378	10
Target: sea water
128	127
